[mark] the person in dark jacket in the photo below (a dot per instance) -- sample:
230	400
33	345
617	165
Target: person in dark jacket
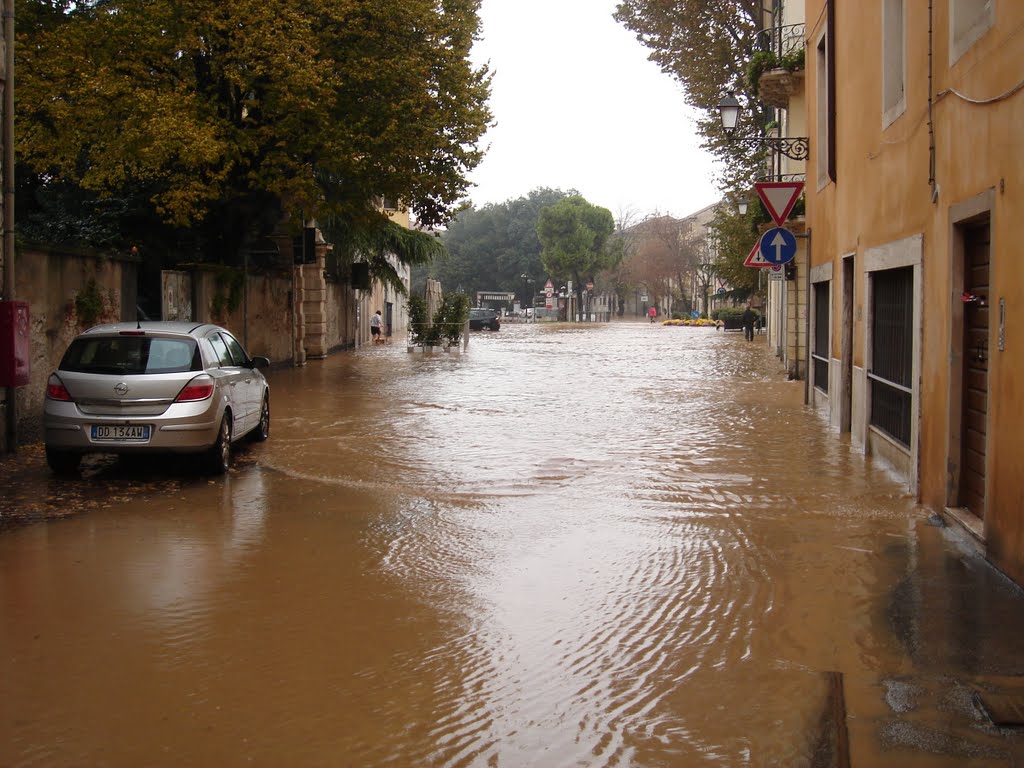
749	316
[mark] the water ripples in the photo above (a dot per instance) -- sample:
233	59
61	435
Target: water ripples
599	546
592	510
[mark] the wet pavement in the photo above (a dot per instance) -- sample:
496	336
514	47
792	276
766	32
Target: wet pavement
609	545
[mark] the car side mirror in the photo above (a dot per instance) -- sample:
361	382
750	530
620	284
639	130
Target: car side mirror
260	362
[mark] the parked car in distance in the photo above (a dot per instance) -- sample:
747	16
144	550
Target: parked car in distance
484	320
154	387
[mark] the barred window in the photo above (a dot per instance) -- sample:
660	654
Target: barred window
820	352
892	347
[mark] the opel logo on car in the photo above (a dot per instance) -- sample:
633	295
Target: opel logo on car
121	388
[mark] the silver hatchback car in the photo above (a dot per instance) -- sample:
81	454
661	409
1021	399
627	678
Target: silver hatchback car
152	387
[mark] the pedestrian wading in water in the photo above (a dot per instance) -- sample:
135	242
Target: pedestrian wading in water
375	325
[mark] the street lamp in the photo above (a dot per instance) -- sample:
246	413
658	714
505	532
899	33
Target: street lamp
793	147
527	294
741	206
729	112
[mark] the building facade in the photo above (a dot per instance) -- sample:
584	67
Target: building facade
914	184
783	87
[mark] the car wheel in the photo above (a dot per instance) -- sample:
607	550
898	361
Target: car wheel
218	459
262	431
62	462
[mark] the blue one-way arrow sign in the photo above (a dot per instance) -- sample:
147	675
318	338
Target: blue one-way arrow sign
778	246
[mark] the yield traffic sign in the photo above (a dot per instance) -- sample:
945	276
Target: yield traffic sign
779	197
778	245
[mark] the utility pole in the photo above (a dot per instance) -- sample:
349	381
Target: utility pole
7	175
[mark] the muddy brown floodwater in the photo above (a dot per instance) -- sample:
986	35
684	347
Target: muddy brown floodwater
609	545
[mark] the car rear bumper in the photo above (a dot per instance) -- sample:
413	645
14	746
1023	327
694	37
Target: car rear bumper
71	431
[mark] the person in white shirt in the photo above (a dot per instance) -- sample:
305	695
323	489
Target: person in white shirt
375	323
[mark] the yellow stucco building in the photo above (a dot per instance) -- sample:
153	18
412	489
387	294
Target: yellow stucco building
915	197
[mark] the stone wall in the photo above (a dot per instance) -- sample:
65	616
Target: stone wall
51	281
341	316
283	315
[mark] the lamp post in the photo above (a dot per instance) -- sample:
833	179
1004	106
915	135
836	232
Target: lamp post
741	206
793	147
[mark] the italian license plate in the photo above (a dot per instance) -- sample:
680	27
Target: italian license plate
135	432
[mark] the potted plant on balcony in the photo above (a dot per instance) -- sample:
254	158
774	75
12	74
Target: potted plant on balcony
767	61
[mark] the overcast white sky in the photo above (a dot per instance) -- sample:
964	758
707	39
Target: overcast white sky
579	106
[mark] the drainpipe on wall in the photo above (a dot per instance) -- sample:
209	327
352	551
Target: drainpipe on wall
931	123
807	323
245	298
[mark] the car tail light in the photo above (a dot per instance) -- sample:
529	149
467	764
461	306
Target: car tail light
197	389
55	389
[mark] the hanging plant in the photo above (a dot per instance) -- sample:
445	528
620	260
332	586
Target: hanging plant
759	63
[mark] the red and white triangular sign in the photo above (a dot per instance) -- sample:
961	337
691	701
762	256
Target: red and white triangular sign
779	197
755	259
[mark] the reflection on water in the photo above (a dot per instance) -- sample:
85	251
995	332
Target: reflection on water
612	545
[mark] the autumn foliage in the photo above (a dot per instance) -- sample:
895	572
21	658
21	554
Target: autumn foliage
222	113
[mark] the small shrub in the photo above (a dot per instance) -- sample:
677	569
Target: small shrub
418	319
229	283
446	325
89	304
451	317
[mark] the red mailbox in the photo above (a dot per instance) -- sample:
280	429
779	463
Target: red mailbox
14	344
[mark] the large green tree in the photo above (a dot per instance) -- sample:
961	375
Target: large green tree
492	247
226	117
706	47
575	237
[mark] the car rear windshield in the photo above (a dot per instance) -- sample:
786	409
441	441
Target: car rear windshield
126	355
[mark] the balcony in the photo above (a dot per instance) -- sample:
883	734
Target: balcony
776	70
778	86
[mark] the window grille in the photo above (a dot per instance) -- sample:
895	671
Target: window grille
892	347
820	353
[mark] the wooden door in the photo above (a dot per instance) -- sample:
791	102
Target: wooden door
974	414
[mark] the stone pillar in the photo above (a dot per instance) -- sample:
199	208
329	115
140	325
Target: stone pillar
298	313
314	305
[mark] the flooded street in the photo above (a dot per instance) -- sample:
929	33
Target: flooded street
608	545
